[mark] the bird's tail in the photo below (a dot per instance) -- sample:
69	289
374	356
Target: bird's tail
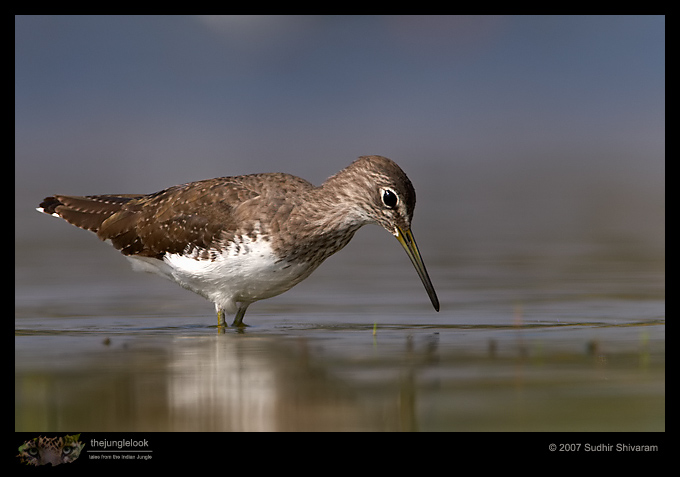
88	212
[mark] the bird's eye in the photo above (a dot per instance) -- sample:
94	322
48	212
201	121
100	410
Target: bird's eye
389	198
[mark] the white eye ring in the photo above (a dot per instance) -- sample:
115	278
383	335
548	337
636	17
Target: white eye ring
389	198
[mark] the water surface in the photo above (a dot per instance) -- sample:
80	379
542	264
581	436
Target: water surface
530	338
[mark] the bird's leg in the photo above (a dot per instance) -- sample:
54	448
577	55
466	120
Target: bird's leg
221	318
238	319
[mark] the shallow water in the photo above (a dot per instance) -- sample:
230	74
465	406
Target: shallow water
531	337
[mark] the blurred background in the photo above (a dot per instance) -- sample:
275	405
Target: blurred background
536	145
509	126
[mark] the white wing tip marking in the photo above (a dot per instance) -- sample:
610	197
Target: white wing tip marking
40	209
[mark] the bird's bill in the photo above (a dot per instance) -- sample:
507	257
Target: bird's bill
407	241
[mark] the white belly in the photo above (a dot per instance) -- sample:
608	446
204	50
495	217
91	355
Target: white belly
245	273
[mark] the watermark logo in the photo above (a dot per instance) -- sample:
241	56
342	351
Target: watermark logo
50	450
120	449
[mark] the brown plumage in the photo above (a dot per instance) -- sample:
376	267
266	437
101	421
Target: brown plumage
226	219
